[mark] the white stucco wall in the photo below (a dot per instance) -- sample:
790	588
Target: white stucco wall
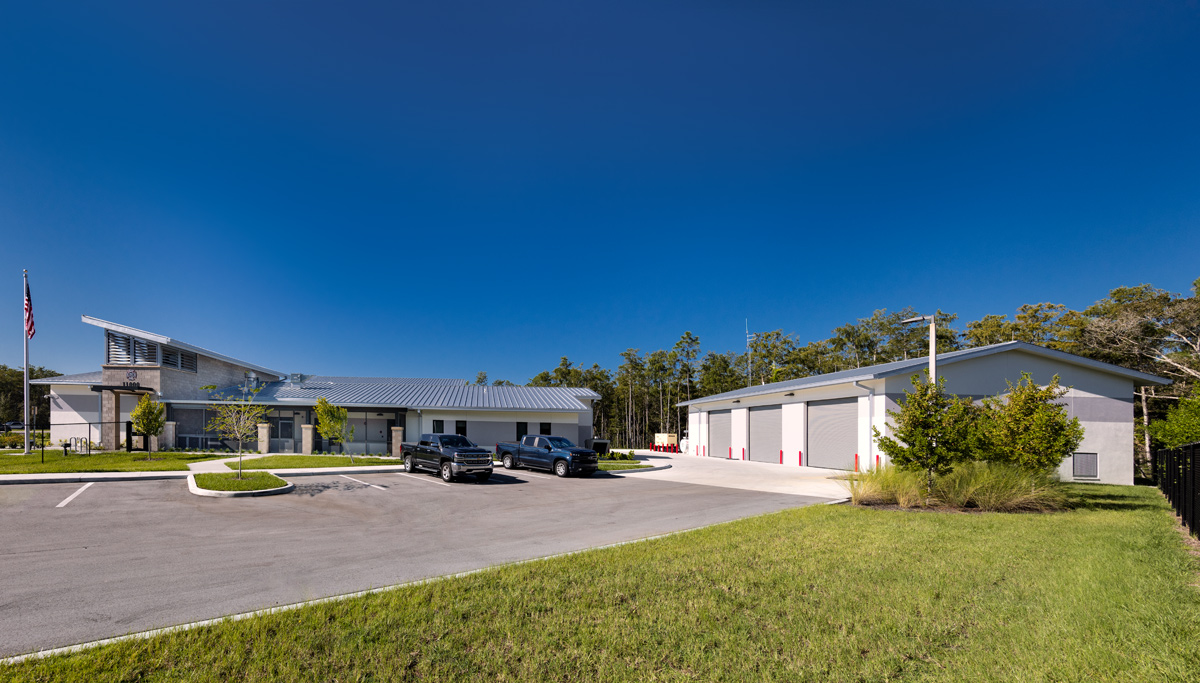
69	404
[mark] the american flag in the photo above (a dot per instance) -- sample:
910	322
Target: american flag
29	329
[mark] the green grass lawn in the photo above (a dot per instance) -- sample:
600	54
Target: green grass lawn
610	466
228	481
97	462
278	462
1104	592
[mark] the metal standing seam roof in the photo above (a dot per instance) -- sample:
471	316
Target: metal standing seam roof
416	395
916	364
82	378
333	379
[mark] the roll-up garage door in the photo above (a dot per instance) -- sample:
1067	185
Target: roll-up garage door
766	433
720	423
833	433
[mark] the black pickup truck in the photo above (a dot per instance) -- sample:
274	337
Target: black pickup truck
449	455
549	453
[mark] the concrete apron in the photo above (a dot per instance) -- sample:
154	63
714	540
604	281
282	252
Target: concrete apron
746	475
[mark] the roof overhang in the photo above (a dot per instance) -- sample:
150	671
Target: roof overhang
889	370
163	339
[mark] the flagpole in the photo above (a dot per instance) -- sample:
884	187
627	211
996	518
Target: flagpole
25	336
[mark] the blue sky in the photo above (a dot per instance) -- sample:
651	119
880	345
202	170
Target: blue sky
437	188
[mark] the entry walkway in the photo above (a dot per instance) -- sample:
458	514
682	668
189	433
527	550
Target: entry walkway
745	475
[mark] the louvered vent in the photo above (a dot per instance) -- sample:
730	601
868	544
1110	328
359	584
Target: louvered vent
170	357
187	361
1083	466
144	352
118	350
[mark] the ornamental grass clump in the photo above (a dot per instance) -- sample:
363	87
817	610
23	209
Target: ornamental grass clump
999	487
886	486
984	486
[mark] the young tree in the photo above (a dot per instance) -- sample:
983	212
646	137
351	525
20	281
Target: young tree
1027	428
333	424
237	420
1182	425
481	379
933	430
149	419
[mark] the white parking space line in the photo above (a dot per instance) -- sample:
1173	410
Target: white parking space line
424	479
381	488
527	474
72	496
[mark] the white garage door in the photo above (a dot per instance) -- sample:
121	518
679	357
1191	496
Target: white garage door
833	433
766	433
720	423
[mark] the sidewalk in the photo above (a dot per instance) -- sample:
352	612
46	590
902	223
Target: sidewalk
218	465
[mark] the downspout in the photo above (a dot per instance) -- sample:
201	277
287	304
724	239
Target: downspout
870	418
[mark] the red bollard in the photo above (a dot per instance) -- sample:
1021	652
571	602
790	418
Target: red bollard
856	462
876	461
780	456
800	458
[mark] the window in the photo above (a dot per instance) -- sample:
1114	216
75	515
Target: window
1084	466
460	427
522	430
439	426
545	429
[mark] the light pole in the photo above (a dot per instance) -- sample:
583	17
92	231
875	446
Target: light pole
932	343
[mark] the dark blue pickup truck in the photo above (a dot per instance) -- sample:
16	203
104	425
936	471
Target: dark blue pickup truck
548	453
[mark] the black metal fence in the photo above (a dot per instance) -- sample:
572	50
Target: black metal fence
1176	471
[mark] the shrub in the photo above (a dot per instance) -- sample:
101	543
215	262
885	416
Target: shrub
933	430
1026	428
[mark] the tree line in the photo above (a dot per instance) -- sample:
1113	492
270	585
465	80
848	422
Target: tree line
12	395
1140	327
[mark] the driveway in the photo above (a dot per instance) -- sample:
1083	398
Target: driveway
746	475
108	558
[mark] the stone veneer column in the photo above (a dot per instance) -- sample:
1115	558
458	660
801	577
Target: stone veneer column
307	432
397	440
109	412
167	439
264	437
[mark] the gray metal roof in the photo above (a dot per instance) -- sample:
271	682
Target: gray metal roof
162	339
915	365
405	394
96	377
315	379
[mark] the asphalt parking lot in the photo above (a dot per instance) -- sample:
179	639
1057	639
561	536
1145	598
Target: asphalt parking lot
83	562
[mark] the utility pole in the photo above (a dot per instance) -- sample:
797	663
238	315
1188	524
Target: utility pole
749	355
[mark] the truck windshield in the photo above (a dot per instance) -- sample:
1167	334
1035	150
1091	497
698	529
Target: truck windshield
559	442
455	440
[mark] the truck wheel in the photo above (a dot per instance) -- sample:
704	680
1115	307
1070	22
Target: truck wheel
560	468
447	472
408	464
483	476
507	460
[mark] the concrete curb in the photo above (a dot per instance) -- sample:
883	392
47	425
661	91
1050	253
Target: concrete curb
196	490
73	478
621	473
